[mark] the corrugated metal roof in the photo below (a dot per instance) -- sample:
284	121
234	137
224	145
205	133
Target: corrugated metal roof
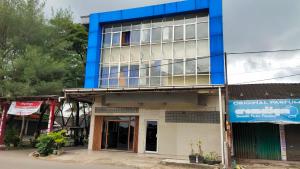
264	91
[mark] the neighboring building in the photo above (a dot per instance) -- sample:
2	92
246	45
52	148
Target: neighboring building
265	121
156	76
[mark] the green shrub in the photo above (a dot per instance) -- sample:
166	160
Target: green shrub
51	141
11	137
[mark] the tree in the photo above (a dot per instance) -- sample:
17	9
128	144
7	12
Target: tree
39	56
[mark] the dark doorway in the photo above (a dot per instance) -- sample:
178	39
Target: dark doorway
292	142
151	136
118	133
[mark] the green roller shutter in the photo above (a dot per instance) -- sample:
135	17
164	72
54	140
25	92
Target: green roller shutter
256	141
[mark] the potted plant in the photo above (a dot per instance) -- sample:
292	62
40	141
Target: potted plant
211	158
192	156
200	157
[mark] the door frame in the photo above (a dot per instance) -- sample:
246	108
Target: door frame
146	124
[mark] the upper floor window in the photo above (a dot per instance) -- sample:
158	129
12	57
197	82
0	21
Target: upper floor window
171	51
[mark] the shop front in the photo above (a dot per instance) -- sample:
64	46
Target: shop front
266	128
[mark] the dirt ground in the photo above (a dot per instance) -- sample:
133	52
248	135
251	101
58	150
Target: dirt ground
268	164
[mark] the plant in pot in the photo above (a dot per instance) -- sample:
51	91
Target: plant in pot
200	157
211	158
192	156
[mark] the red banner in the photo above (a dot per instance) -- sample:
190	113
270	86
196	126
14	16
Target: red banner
24	108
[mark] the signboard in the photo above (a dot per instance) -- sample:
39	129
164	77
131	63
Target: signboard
24	108
271	110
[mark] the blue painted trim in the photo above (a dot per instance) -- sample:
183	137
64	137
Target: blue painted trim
216	33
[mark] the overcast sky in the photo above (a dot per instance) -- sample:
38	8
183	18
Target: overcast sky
249	25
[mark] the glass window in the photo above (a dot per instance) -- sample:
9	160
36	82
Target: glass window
107	28
202	30
146	24
116	27
167	51
203	65
190	32
135	54
178	20
124	71
116	39
135	37
155	68
134	74
115	55
144	69
156	22
190	49
126	27
167	33
155	81
179	50
202	17
145	36
190	66
145	52
104	71
113	71
136	25
190	18
178	67
166	67
156	52
104	83
125	38
105	55
203	48
125	53
168	21
178	33
156	35
106	40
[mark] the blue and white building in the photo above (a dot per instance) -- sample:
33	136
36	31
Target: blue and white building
155	74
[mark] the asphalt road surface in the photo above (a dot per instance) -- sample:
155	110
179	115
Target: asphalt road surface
21	160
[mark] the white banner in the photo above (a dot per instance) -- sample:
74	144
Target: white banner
24	108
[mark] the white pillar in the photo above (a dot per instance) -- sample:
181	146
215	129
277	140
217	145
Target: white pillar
221	125
282	142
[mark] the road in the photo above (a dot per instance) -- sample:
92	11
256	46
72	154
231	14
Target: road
20	160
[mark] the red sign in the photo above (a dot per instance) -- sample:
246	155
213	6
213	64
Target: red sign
24	108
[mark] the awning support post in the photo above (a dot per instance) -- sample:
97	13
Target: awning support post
221	125
51	116
3	124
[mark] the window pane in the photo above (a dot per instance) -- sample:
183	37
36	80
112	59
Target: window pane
156	35
145	53
178	20
156	52
136	25
134	70
178	81
113	82
190	66
155	68
113	71
202	17
178	33
190	18
124	71
145	36
155	81
203	48
178	67
146	24
135	37
107	28
166	67
156	22
116	39
166	81
104	83
203	79
203	65
104	71
116	27
167	51
190	32
144	69
105	55
167	33
106	40
179	50
115	54
135	54
126	27
168	21
125	38
125	53
190	49
202	30
190	80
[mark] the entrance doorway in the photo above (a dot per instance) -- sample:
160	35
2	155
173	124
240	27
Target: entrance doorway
118	133
292	142
151	136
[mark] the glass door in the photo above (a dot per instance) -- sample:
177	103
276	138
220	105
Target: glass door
151	136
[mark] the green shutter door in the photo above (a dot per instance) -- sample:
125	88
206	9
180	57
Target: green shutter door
256	140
